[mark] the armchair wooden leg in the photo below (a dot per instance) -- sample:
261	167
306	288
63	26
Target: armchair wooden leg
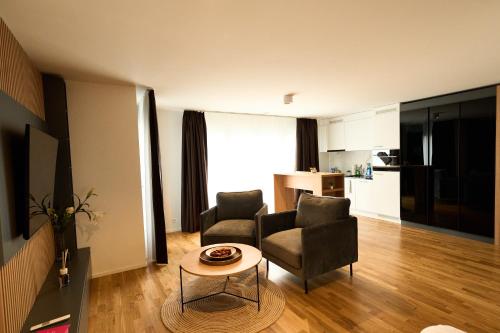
267	268
350	269
305	286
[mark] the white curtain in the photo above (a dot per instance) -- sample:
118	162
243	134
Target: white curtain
145	160
244	151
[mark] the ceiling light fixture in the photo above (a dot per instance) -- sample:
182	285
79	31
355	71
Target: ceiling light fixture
288	98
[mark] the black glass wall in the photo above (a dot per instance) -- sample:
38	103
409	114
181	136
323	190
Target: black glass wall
448	162
414	137
477	166
443	182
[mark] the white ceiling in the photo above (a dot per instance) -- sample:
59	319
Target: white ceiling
243	56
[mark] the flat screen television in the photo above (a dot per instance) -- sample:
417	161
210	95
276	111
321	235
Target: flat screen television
41	160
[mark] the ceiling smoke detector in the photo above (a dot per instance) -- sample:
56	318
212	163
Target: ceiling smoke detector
288	98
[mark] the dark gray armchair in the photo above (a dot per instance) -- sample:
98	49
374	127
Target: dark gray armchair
318	237
234	219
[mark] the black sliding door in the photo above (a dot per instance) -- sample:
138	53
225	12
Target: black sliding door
443	185
414	142
477	166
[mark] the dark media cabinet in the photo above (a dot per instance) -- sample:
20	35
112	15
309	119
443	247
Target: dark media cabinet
53	302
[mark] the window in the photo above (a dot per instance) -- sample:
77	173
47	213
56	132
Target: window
244	151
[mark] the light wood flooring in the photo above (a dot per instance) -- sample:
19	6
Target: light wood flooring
406	279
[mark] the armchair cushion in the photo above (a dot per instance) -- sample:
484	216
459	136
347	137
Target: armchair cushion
313	210
238	205
231	228
286	246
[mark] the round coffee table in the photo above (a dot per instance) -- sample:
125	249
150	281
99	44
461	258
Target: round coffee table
250	258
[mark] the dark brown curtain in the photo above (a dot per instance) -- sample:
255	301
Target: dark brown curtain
307	144
156	184
307	152
194	170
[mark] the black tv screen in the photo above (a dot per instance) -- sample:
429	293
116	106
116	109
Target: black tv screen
41	158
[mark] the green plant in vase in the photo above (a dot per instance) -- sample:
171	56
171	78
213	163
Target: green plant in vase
60	218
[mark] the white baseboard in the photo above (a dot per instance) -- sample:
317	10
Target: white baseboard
118	270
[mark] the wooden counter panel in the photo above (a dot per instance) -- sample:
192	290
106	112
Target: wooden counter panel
319	183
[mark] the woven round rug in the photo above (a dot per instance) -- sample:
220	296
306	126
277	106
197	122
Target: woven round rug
223	313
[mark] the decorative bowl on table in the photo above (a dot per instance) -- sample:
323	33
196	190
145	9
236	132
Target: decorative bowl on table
220	255
220	252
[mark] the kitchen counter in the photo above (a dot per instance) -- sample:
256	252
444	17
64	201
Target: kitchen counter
378	197
358	177
393	168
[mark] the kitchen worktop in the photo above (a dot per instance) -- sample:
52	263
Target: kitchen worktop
358	177
308	173
386	168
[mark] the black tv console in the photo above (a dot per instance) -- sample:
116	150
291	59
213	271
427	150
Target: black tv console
53	302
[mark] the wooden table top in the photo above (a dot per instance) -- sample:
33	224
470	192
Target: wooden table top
250	256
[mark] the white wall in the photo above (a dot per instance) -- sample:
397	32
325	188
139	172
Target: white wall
244	151
170	131
105	155
324	162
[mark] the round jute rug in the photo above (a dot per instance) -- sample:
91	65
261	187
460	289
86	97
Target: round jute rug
223	313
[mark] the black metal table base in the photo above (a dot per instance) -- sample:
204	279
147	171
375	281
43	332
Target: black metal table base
222	292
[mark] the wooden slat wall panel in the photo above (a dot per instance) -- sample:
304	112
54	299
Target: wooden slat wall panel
42	256
18	77
18	288
497	173
22	277
2	318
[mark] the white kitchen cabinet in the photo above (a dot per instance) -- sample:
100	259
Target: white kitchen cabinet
349	191
336	135
359	134
323	137
386	193
364	193
386	129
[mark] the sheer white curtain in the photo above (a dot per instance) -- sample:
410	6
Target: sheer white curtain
244	151
145	160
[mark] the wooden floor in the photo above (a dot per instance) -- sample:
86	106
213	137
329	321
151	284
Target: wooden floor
406	279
